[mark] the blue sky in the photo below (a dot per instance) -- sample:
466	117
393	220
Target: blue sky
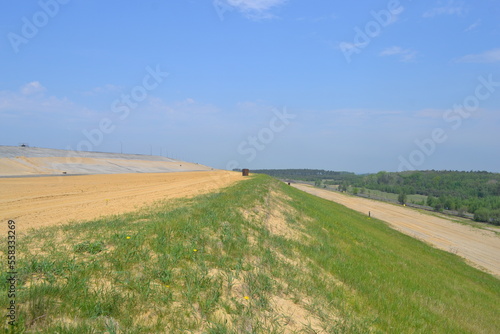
361	86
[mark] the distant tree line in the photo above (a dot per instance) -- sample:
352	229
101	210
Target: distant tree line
310	175
476	192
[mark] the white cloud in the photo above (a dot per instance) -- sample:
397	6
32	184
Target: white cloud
256	9
473	26
31	101
33	87
349	48
406	55
491	56
255	5
450	8
391	51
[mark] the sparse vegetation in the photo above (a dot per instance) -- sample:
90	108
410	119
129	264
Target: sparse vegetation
258	257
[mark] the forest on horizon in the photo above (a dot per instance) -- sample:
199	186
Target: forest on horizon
475	192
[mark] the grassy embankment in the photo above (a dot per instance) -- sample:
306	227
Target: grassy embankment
259	257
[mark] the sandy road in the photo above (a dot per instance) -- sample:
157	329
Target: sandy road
481	248
44	201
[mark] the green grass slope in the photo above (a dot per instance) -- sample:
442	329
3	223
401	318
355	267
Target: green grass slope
258	257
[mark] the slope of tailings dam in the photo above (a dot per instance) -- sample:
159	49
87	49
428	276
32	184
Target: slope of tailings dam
29	161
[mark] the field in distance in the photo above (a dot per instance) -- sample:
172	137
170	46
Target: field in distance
34	161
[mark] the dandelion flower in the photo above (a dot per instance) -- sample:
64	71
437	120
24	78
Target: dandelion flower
246	297
128	237
195	250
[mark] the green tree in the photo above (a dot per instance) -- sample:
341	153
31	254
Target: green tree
431	201
482	215
402	198
438	206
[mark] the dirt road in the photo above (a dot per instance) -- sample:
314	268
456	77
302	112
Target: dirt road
481	248
44	201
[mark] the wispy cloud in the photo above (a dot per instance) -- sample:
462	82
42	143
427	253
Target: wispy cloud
256	5
256	9
450	8
32	88
31	101
491	56
405	55
473	26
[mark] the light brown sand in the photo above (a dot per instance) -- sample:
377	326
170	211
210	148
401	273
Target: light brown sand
44	201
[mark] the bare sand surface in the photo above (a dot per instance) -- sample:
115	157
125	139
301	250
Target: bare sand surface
479	247
25	166
34	161
45	201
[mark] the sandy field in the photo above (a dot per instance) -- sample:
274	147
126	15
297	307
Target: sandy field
479	247
35	202
31	161
29	166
